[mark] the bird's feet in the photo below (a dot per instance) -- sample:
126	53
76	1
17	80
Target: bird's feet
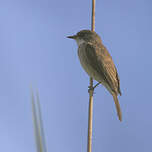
91	88
96	85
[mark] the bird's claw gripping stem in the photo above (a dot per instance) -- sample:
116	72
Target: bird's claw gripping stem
91	88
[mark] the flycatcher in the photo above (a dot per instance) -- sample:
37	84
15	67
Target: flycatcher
98	63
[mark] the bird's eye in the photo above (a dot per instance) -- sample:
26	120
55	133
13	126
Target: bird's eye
81	34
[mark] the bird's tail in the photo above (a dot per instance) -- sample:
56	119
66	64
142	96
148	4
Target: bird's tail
117	106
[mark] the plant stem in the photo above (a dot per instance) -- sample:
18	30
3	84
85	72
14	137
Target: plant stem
91	90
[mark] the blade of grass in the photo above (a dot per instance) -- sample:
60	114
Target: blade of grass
37	122
40	122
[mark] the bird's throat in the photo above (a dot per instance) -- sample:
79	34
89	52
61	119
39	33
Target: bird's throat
79	42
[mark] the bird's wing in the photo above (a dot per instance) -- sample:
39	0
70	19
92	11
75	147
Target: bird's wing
99	58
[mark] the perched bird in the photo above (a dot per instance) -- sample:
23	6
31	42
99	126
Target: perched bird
97	62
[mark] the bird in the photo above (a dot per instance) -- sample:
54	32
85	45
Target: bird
98	64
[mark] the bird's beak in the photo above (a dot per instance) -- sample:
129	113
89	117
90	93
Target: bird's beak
72	37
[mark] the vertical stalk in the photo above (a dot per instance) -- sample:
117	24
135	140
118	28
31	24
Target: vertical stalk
91	90
93	16
90	117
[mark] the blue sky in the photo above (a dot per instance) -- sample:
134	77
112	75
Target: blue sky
34	50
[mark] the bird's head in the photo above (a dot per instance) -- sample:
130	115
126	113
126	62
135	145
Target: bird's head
86	36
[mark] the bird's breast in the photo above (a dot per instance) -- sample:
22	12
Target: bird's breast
85	63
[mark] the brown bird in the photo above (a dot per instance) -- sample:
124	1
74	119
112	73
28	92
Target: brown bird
98	63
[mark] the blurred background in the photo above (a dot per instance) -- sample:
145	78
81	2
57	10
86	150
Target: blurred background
34	51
